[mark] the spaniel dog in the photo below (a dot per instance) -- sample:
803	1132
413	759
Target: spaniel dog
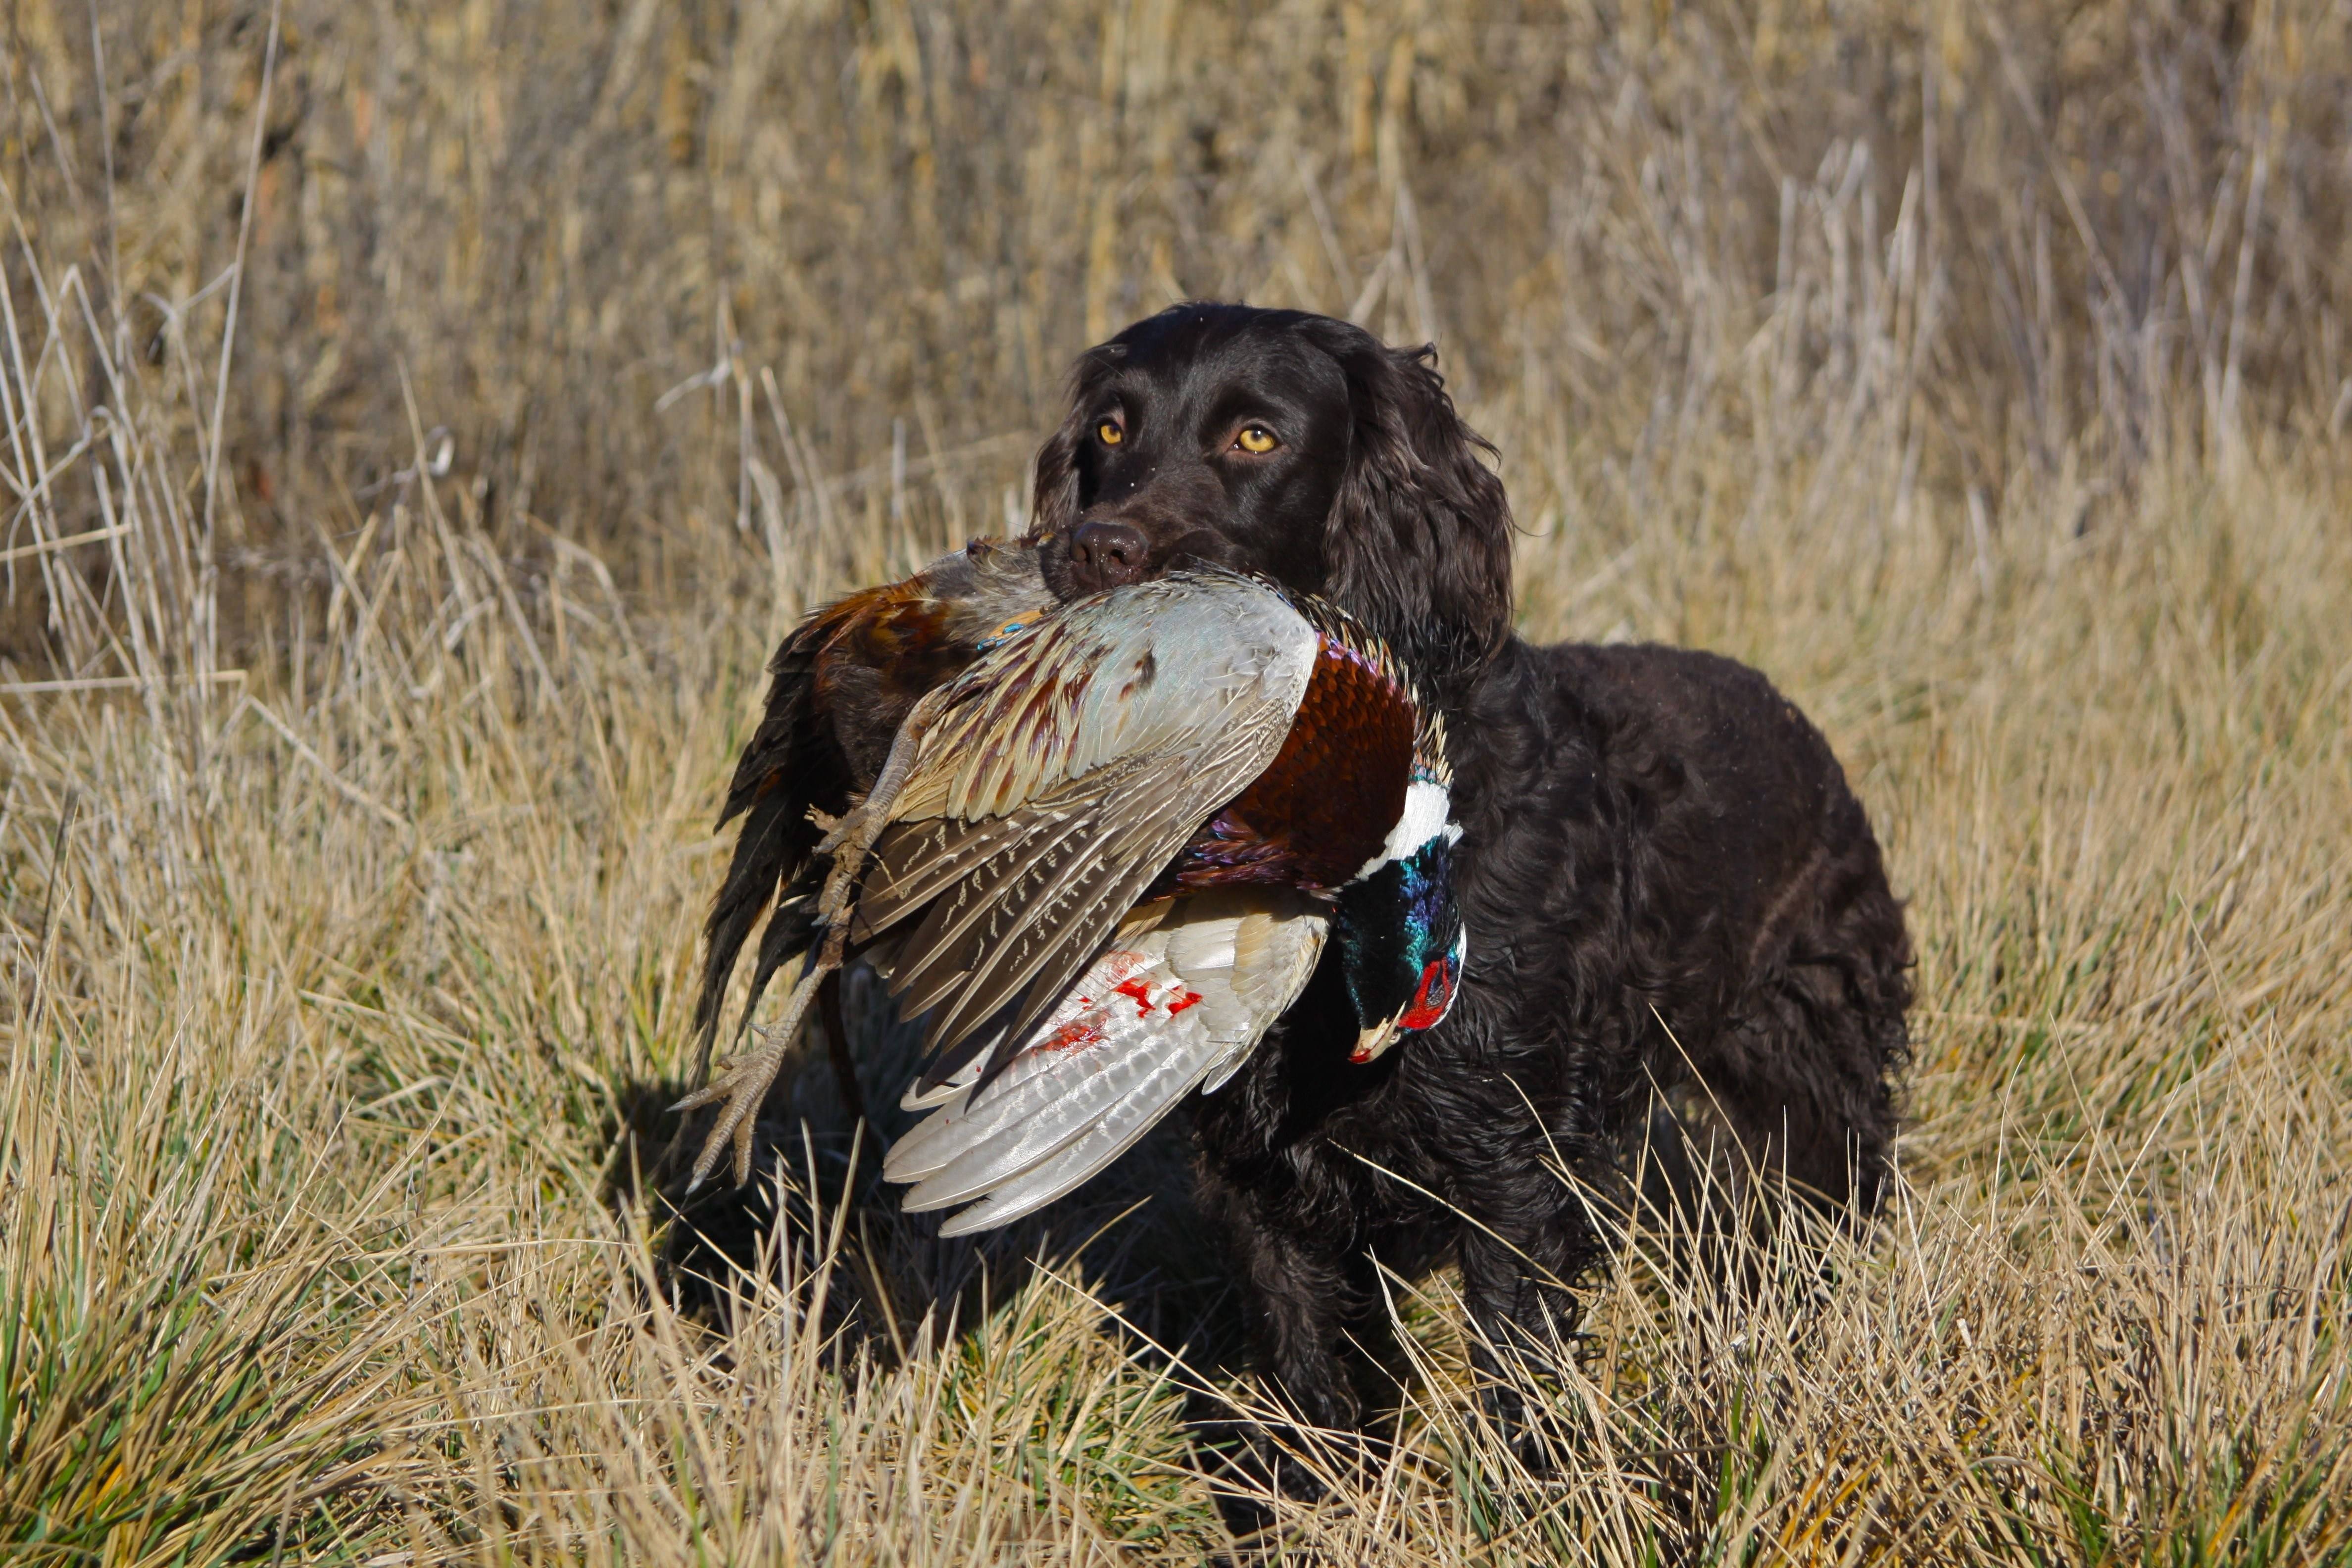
1669	888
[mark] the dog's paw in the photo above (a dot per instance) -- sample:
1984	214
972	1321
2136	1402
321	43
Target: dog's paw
1522	1429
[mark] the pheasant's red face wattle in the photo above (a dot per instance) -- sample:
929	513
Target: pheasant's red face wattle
1434	996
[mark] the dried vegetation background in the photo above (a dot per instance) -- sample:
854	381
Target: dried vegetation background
419	420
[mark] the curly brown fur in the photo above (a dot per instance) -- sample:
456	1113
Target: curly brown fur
1666	882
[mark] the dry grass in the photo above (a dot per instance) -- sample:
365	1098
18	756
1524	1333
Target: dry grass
341	990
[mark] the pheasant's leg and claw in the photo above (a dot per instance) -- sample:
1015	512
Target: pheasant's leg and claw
745	1085
853	833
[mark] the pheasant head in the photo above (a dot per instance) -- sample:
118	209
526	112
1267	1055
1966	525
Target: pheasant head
1397	926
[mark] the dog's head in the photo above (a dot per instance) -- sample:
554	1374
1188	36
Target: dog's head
1289	444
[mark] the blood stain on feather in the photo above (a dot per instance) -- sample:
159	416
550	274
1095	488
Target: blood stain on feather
1172	999
1074	1036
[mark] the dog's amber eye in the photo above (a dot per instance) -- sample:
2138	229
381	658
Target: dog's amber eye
1256	438
1109	433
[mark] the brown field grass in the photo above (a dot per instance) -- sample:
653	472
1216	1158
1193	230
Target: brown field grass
451	407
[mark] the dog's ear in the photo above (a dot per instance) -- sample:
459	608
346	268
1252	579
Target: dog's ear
1418	544
1054	504
1053	496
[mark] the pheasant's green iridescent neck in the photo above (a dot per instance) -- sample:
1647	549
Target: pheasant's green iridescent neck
1402	944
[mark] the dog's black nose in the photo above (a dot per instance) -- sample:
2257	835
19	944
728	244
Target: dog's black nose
1106	556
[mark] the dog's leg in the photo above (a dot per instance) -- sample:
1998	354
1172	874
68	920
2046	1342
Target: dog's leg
1300	1294
1301	1298
1804	1071
1524	1246
1805	1077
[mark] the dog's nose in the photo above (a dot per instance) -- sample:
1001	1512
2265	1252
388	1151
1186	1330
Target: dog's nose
1106	556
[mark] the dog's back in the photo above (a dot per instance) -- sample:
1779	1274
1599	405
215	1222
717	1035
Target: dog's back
1799	1049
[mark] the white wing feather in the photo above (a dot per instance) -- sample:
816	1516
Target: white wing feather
1163	1010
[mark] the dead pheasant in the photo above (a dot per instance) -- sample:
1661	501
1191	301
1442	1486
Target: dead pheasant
1106	858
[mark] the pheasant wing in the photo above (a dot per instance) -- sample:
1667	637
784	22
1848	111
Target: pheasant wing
1177	1007
1067	770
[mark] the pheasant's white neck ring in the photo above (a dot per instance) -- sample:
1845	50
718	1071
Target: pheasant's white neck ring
1426	807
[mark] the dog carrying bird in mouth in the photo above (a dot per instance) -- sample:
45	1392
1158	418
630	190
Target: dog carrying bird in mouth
1672	895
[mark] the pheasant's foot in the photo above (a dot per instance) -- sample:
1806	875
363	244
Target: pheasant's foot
849	843
840	884
836	829
851	837
742	1087
745	1085
836	946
